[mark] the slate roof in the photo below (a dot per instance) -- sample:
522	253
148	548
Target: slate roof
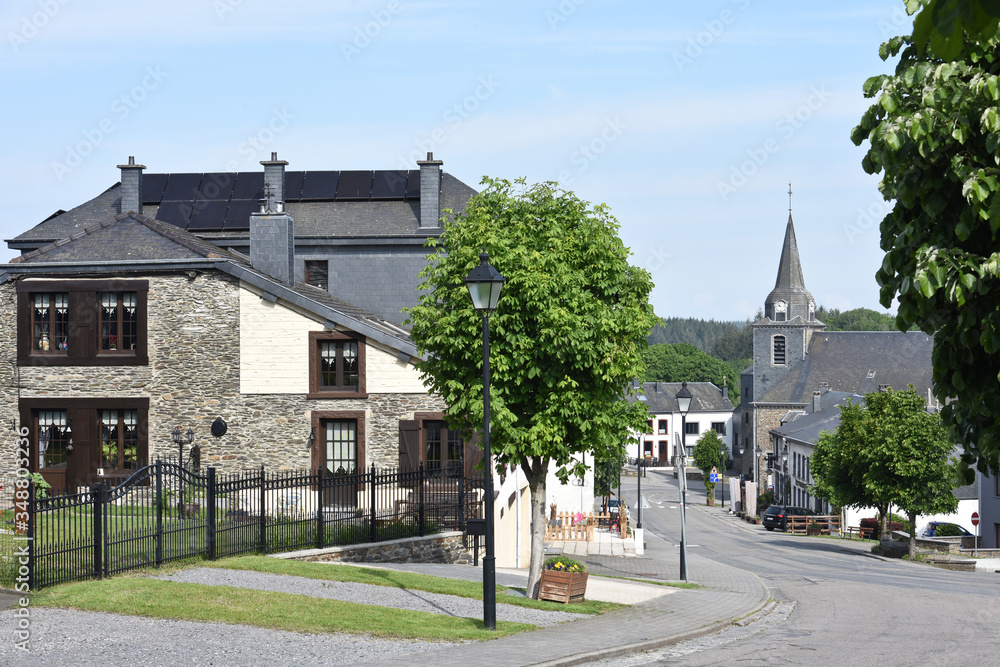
858	362
807	427
126	237
789	286
661	397
135	243
372	218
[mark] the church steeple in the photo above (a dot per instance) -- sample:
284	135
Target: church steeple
789	299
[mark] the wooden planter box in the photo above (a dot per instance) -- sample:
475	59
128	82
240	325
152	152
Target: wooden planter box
562	586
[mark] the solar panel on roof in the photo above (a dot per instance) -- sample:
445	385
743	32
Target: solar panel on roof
217	186
320	185
152	188
355	185
413	184
249	185
389	184
293	185
208	214
175	212
238	215
181	186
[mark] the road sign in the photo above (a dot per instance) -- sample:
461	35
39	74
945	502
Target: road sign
975	518
714	477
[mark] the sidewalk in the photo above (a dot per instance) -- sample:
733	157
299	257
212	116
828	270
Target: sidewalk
726	594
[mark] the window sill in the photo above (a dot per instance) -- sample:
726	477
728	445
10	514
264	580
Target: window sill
102	360
336	394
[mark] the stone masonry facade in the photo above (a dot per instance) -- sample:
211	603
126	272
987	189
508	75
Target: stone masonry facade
192	378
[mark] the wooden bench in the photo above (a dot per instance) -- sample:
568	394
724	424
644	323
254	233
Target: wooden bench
863	532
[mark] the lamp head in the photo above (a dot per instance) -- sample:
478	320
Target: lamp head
484	284
684	399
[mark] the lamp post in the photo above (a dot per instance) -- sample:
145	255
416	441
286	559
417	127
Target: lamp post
683	405
180	441
743	500
484	284
784	481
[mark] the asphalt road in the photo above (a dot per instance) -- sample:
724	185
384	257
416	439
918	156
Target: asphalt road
836	604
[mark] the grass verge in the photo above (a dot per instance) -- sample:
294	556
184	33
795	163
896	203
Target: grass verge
137	596
397	579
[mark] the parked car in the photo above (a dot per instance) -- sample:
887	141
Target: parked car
776	516
612	508
944	529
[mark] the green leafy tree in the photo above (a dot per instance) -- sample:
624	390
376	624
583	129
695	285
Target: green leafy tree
709	452
683	362
859	319
946	24
934	133
565	341
887	451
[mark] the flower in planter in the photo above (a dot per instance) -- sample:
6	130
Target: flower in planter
563	564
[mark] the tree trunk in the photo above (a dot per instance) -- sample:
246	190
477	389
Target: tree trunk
535	470
912	516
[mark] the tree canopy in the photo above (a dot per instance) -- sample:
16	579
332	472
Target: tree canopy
709	452
858	319
887	450
934	132
944	24
686	363
565	341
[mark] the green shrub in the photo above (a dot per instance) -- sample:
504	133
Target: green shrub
563	564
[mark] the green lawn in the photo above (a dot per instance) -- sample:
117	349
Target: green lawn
136	595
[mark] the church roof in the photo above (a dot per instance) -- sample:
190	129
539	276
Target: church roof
858	362
789	286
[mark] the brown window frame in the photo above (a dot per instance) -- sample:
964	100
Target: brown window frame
318	417
83	415
84	323
316	389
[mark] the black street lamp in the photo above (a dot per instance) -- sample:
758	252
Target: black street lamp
180	441
785	480
484	283
683	405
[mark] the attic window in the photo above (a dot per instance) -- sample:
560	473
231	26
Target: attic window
871	374
884	387
318	273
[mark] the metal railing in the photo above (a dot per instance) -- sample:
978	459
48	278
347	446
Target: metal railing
165	512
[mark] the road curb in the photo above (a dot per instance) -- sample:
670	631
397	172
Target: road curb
760	611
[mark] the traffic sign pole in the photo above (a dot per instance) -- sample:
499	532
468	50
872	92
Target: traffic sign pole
975	522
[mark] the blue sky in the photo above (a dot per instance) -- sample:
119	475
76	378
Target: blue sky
687	119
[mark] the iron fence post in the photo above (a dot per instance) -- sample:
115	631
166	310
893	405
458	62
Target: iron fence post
96	498
319	507
159	513
211	513
31	534
420	486
371	485
263	512
461	498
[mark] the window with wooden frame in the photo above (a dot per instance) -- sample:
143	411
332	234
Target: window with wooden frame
318	273
82	322
428	439
339	447
119	440
662	426
691	428
79	441
336	365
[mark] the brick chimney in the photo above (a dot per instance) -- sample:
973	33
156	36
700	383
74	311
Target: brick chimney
817	400
274	181
131	186
272	244
430	192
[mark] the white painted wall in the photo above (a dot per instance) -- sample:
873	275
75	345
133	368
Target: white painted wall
577	495
704	419
274	352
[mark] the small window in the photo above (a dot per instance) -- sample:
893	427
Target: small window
50	322
118	322
336	365
53	436
340	439
649	426
318	273
662	426
778	355
691	428
719	427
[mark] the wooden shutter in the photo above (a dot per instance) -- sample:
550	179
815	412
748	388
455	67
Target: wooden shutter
409	444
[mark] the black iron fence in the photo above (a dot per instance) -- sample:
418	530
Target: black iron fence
165	512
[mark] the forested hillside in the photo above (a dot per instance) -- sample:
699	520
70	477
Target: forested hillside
683	362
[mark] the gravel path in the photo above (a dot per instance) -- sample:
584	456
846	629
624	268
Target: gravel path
382	596
61	637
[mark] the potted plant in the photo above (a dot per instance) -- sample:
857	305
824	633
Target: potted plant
563	580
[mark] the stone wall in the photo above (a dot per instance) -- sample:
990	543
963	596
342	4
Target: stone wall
193	377
447	547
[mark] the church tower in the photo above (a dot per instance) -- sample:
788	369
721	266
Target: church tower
781	337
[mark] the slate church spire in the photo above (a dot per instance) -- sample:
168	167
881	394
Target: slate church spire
789	299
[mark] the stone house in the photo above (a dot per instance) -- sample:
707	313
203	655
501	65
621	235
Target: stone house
794	357
710	409
132	326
